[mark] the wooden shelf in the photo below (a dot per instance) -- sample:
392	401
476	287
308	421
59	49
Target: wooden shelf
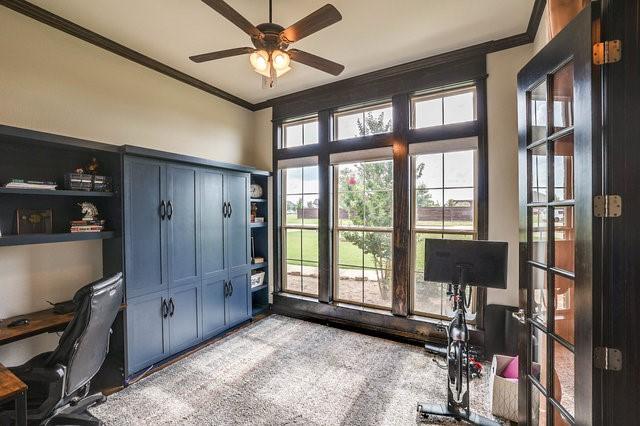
259	265
258	200
258	225
18	240
54	192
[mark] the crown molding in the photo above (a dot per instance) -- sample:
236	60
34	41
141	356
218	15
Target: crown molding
71	28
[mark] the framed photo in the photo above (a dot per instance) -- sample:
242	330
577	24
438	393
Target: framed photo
34	221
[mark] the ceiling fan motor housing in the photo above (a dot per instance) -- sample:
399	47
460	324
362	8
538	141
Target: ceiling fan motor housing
272	39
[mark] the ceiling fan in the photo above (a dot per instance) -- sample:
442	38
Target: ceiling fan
271	55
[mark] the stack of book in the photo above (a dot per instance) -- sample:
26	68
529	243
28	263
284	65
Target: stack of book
30	184
87	225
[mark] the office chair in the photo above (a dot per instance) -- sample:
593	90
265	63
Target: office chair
59	381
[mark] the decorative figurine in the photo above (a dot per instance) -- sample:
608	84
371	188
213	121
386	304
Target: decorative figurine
92	167
89	210
254	212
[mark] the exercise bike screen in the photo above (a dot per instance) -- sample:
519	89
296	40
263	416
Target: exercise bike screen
485	262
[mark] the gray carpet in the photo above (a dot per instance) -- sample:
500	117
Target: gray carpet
283	371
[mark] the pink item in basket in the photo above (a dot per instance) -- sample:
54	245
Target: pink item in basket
511	370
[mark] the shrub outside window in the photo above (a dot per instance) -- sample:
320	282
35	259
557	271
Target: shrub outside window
364	121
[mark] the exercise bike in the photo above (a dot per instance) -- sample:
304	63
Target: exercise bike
459	363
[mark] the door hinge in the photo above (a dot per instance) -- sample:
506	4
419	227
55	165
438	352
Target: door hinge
607	52
607	358
607	206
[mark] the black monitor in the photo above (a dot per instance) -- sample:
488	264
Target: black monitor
485	262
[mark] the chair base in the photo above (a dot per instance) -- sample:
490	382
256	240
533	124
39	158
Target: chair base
426	410
76	413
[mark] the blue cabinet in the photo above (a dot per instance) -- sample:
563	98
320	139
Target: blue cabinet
187	244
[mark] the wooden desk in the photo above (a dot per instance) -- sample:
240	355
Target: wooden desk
12	387
39	322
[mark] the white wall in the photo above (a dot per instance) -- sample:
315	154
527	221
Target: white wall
543	35
502	115
53	82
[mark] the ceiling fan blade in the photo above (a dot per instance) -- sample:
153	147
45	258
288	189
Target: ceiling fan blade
232	15
221	54
321	18
315	61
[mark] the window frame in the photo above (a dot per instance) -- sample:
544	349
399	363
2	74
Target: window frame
351	110
335	261
285	227
299	122
442	94
415	231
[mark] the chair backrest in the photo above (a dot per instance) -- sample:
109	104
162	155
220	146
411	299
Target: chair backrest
84	344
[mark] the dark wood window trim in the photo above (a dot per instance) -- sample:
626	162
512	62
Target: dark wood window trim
398	88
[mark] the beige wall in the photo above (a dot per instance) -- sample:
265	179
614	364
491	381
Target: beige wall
52	82
502	113
543	35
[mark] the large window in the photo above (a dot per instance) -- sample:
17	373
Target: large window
444	207
364	121
300	230
363	221
437	109
300	132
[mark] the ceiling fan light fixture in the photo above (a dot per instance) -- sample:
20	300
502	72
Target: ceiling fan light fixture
260	61
281	60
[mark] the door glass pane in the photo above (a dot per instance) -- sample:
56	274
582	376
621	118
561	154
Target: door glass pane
538	112
539	295
559	419
564	308
563	168
539	228
564	369
538	407
539	356
539	175
564	234
563	98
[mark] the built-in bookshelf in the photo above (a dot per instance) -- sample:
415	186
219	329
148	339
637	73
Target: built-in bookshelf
35	156
260	243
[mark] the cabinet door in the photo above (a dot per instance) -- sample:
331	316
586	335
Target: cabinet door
212	225
237	235
147	332
145	242
184	318
182	225
239	302
214	317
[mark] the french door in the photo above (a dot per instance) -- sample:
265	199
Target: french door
560	169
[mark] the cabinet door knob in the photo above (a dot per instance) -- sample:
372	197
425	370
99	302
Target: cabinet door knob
165	309
231	288
173	307
163	210
230	210
169	210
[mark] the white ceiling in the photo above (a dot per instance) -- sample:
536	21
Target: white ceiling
373	34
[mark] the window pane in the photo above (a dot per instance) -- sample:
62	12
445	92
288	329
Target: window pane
351	208
429	171
563	98
377	287
378	208
564	233
377	249
539	174
459	108
292	135
429	298
429	208
295	210
350	252
428	113
350	177
311	132
459	170
293	178
310	279
459	209
309	244
364	122
538	407
539	297
294	244
378	175
564	369
564	308
538	112
539	234
310	209
310	179
563	168
293	281
539	356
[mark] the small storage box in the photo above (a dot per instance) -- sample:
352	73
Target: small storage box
86	182
257	279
